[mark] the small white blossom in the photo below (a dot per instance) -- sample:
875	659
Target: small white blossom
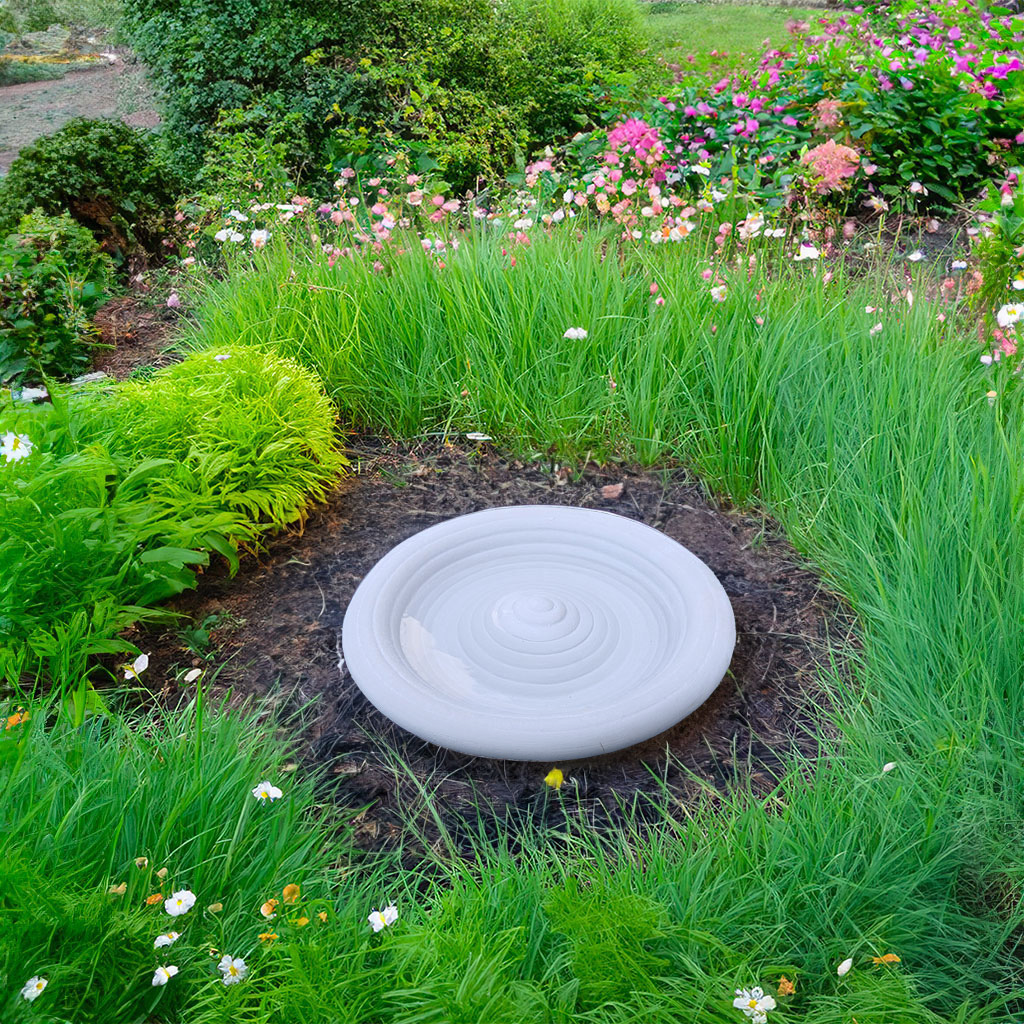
265	793
237	215
1017	284
14	447
844	967
718	293
383	918
1009	314
167	939
575	333
916	256
959	264
233	969
874	330
477	436
888	767
259	238
754	1003
32	394
807	252
137	667
180	902
33	987
193	674
162	975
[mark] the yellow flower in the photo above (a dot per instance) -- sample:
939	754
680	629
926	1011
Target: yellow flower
887	958
215	908
554	778
268	936
301	922
162	873
141	862
268	910
290	893
118	890
322	915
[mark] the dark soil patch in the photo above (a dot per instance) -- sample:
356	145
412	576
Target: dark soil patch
277	629
132	336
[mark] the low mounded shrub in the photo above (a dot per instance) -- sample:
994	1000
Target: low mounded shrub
106	175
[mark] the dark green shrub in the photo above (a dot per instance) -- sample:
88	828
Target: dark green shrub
107	175
52	278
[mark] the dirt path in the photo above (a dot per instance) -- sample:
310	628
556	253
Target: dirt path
32	109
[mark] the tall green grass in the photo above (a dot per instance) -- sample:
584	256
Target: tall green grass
880	455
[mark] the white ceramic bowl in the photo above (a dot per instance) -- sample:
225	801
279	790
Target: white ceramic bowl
538	632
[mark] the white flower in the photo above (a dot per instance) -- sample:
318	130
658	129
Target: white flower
917	188
888	767
807	252
754	1003
477	436
575	333
32	394
193	674
222	357
139	665
844	967
180	902
162	975
222	235
718	293
775	233
33	987
915	256
237	215
750	227
701	170
567	196
875	329
167	939
1017	284
14	447
382	918
523	224
717	196
1009	314
259	238
265	792
959	264
233	969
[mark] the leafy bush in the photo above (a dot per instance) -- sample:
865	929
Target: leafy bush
108	176
125	490
467	84
52	278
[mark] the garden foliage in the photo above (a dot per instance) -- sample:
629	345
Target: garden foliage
107	175
128	489
52	278
466	85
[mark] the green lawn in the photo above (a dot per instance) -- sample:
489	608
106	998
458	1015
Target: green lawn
735	32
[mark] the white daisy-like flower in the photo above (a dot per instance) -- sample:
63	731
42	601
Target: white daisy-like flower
1009	314
807	252
575	333
844	967
180	902
232	969
167	939
267	793
259	238
383	918
162	975
14	447
137	667
33	988
754	1003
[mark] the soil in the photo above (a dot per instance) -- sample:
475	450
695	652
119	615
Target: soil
132	336
275	631
31	109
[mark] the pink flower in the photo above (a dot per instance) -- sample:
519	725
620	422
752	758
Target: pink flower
173	301
438	201
654	288
832	164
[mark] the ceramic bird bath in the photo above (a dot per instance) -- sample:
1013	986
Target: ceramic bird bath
538	633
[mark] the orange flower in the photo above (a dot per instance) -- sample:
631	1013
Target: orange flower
19	716
322	915
301	922
888	958
290	893
786	987
269	909
155	898
268	936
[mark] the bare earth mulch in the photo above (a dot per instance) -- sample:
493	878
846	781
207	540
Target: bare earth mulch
277	627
